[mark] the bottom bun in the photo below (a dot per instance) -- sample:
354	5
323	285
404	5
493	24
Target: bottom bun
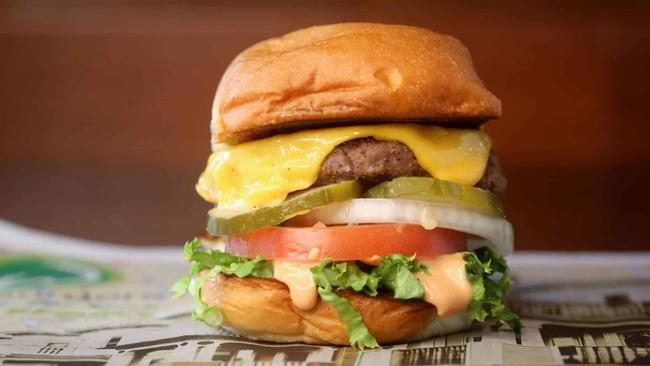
262	309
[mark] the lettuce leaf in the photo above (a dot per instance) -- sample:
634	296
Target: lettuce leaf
396	273
179	288
490	279
220	262
207	265
344	275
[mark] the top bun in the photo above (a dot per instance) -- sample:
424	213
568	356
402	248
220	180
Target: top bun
351	72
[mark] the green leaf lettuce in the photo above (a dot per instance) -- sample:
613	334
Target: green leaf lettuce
207	265
395	273
345	276
490	279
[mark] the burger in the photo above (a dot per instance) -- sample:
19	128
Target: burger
356	195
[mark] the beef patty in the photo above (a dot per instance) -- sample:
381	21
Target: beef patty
372	161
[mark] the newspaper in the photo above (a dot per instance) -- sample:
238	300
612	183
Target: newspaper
66	301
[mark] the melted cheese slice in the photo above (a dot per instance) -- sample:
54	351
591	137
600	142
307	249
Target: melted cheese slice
263	172
446	287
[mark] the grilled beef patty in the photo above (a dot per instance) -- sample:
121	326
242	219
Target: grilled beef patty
372	161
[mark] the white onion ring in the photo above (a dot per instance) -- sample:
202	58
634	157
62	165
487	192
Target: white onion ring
496	231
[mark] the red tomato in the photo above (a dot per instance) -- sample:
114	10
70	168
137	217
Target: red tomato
344	243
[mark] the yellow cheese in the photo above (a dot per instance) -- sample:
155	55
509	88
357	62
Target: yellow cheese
446	285
263	172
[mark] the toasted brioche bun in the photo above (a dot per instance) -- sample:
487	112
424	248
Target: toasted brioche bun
349	73
262	309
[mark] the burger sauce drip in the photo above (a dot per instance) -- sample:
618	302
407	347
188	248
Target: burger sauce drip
446	287
298	277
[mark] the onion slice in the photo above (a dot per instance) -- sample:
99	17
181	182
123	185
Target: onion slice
496	231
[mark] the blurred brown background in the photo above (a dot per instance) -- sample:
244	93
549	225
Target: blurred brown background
104	109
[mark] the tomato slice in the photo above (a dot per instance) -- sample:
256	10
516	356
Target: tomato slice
345	243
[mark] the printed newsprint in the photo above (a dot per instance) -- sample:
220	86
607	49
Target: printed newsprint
66	301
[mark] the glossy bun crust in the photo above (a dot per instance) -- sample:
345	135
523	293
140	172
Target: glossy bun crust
349	73
262	309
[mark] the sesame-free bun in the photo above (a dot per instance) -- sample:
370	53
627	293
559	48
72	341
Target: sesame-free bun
262	309
349	73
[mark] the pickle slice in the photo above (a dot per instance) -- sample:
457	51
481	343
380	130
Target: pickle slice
436	190
223	225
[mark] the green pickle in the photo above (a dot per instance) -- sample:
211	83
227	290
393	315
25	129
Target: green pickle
275	215
436	190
